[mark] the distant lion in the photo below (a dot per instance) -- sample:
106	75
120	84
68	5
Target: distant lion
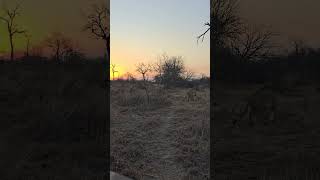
191	95
258	107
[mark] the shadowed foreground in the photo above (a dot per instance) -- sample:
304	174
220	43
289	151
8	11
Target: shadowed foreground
45	108
287	148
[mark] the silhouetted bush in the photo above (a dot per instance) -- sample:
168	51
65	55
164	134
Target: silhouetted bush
229	67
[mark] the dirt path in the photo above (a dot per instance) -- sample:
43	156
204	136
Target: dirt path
164	148
150	145
161	141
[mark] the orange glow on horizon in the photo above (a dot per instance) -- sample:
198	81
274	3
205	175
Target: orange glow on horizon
119	72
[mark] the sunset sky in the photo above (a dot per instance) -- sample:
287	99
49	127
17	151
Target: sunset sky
41	17
143	29
291	19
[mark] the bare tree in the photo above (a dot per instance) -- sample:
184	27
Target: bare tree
299	48
28	37
143	69
73	54
173	69
254	43
9	18
129	76
97	24
59	44
157	67
113	69
201	36
188	75
224	24
225	21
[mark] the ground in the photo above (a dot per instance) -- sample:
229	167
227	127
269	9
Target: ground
165	138
44	111
287	149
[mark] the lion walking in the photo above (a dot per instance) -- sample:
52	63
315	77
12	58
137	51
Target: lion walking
191	95
261	106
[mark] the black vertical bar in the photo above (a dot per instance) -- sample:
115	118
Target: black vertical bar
212	76
108	101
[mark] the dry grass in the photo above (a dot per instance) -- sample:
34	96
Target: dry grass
286	149
45	108
164	138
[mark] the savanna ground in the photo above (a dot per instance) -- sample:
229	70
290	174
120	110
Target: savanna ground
287	149
166	137
45	107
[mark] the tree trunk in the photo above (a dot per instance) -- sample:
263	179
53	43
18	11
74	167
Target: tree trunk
27	53
11	46
58	52
144	78
106	122
107	44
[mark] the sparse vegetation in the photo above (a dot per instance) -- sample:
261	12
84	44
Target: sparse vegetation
164	137
98	19
46	108
271	98
159	128
53	110
13	29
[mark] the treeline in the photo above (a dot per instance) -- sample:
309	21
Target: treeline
57	45
303	67
169	71
241	52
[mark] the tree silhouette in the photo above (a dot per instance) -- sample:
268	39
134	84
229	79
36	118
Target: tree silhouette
253	43
299	48
73	54
224	21
188	75
201	36
9	18
157	67
143	69
28	37
113	69
129	76
59	44
173	68
97	24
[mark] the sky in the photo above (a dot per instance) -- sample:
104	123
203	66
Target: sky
291	19
41	17
141	30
